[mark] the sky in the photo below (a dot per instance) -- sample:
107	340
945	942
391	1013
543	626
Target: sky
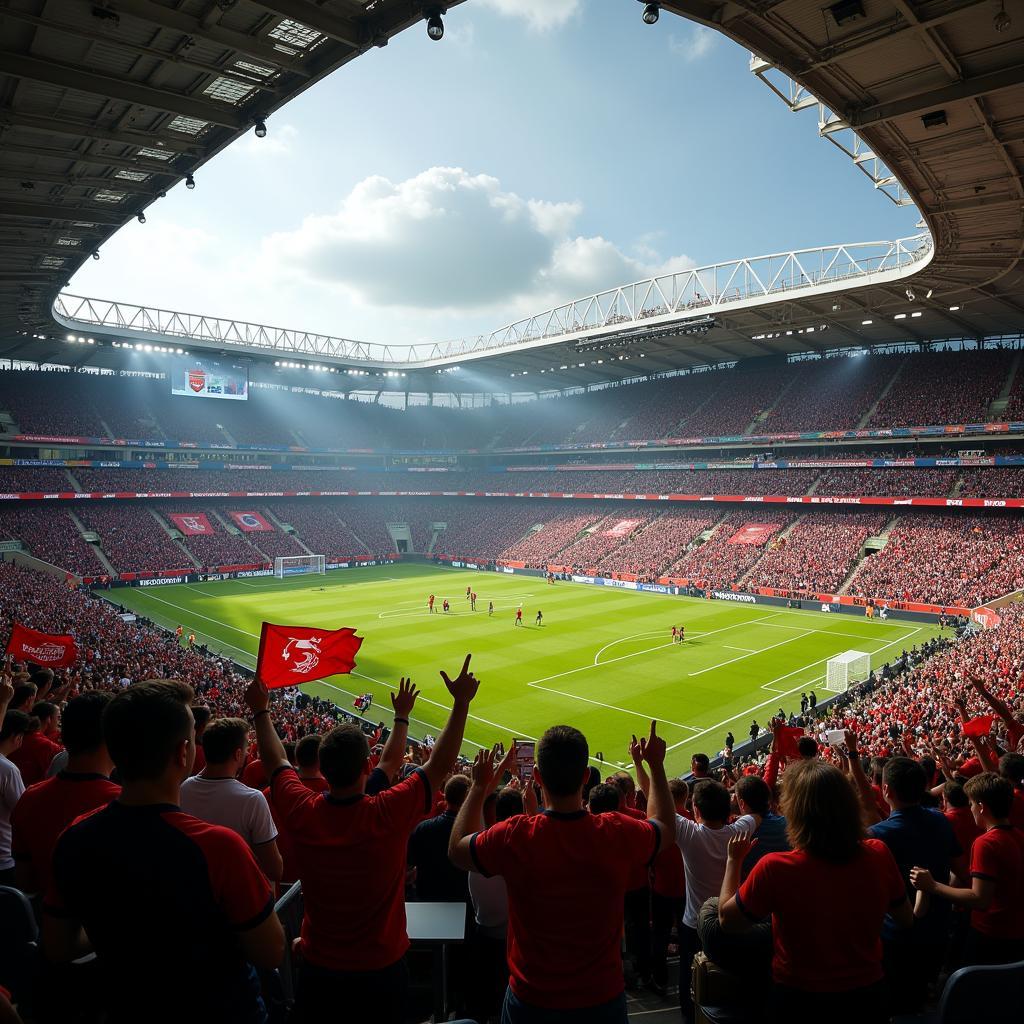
542	151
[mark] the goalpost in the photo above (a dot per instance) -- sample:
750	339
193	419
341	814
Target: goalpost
298	565
847	669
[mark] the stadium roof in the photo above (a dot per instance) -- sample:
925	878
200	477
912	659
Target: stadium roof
927	98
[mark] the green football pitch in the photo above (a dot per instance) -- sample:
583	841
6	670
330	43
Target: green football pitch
603	660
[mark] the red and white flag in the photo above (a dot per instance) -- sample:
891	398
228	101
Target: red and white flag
290	655
251	522
46	649
980	726
191	523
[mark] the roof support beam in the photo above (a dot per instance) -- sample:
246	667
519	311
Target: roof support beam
72	156
155	14
54	211
919	103
88	130
70	181
81	80
322	20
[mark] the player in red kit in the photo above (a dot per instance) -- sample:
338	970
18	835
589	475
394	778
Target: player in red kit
519	617
472	602
430	604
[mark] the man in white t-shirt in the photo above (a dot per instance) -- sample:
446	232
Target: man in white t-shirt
13	726
705	846
217	796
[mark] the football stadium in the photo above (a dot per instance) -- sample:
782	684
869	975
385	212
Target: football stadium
655	656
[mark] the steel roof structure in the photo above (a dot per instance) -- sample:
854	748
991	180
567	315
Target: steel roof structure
104	106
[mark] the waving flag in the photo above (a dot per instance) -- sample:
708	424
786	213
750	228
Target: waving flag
48	650
191	524
290	655
980	726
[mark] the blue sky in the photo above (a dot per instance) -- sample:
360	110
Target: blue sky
544	149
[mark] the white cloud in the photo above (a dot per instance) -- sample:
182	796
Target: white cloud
694	45
449	240
540	15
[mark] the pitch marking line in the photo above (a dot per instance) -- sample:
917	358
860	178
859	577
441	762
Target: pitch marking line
743	657
830	632
748	650
614	707
771	700
426	700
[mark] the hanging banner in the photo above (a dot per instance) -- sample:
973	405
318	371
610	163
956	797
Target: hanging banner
191	524
753	533
251	522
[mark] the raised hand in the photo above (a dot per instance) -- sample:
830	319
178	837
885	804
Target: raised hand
257	696
404	700
653	747
483	773
740	845
635	749
850	739
6	691
464	686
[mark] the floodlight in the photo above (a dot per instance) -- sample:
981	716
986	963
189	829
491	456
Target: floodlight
261	130
651	13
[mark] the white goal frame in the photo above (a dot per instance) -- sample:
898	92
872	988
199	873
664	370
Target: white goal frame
847	669
299	565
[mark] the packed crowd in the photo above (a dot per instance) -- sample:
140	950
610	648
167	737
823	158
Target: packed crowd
320	528
889	482
818	553
542	547
929	388
961	560
1003	482
650	550
720	562
50	534
897	824
944	387
608	535
132	539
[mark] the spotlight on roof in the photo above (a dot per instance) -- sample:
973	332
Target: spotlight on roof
910	295
435	26
190	182
261	130
141	217
928	294
652	12
1002	21
95	255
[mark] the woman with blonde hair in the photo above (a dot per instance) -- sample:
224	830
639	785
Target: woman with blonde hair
827	898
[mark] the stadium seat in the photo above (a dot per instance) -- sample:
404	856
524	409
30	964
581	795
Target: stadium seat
18	937
971	989
718	996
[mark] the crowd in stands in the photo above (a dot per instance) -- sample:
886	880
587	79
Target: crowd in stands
720	562
888	482
474	531
50	534
217	548
610	534
818	553
887	832
542	547
132	539
21	479
652	548
944	387
320	528
995	482
963	560
752	397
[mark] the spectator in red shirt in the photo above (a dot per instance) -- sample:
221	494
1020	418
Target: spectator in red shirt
202	715
350	850
567	872
40	745
307	762
48	807
859	882
177	910
996	895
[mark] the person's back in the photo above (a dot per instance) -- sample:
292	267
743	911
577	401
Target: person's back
39	746
437	879
567	873
176	909
48	807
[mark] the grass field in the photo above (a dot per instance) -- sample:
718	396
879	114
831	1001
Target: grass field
602	661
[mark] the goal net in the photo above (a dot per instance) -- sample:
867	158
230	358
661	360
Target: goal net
297	565
844	670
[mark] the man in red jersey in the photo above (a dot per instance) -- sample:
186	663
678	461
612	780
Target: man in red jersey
48	807
350	850
567	873
176	909
996	895
430	604
40	745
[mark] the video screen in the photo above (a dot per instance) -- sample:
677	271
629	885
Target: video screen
199	377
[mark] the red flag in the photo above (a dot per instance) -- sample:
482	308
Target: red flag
191	524
788	736
980	726
251	522
290	655
48	650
